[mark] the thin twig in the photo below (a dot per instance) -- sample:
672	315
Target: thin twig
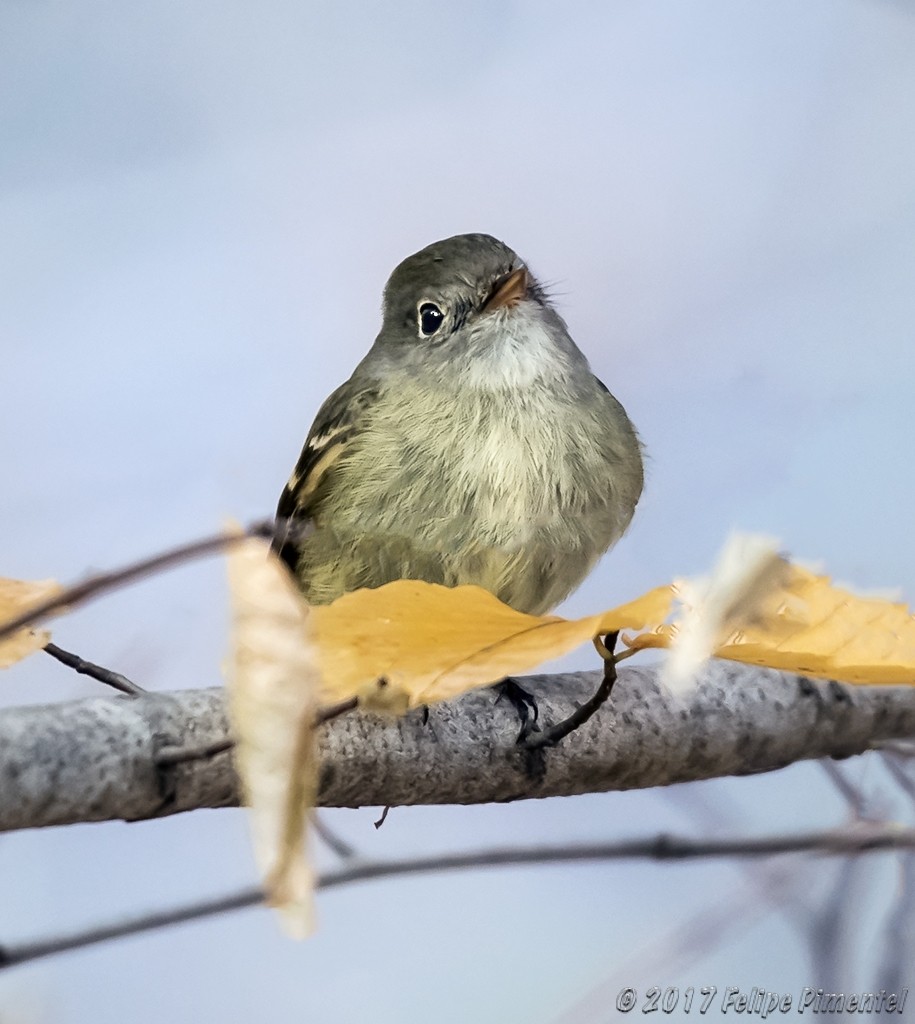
28	951
170	755
902	777
551	736
853	796
88	668
103	582
325	714
898	933
330	838
831	927
901	748
852	840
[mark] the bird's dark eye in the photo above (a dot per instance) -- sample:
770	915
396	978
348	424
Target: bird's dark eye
430	318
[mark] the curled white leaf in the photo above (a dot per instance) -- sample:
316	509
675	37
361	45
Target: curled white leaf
749	569
273	687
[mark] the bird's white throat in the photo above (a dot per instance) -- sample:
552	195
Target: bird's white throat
513	348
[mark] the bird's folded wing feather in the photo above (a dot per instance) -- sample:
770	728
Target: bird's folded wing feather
339	419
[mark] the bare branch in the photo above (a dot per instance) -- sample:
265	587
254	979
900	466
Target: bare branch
10	956
852	840
101	758
103	582
88	668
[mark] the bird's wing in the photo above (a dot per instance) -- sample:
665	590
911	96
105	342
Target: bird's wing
339	419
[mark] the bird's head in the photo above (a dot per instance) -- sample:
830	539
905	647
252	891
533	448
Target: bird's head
469	305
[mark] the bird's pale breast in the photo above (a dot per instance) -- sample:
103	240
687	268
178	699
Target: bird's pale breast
502	496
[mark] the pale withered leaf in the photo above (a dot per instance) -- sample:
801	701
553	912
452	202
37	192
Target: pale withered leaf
273	687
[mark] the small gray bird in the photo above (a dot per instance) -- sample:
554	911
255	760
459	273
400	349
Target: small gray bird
472	444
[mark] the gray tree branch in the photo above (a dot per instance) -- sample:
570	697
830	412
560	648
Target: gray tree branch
857	839
96	759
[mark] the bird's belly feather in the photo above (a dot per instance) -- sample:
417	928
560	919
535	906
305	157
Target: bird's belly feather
512	494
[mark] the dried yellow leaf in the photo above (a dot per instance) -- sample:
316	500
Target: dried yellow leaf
273	685
410	643
812	627
17	597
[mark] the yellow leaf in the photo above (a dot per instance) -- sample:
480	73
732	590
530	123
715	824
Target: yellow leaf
17	597
410	643
812	627
273	681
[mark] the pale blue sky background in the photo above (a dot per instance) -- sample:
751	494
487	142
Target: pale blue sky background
199	206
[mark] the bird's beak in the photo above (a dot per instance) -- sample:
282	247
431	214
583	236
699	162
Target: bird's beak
509	290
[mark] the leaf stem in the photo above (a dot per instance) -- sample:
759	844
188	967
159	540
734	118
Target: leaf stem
551	736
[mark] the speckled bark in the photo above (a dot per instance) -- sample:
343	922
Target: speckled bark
94	760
